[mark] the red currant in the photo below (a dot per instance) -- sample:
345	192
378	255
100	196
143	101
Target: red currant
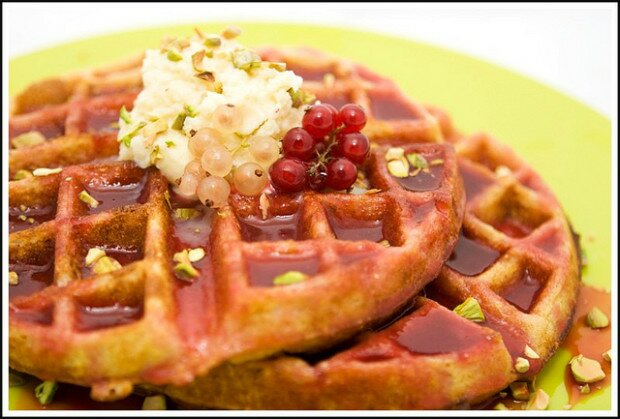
341	173
353	117
298	143
320	120
354	146
288	175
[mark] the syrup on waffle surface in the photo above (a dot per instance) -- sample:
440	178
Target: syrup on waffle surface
141	324
516	257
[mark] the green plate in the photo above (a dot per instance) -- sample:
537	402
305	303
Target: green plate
568	143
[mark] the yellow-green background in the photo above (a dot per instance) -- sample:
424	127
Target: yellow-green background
568	143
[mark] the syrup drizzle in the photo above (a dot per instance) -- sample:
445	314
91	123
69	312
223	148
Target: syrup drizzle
513	228
353	229
278	227
101	119
523	292
32	278
474	181
43	316
94	318
115	195
39	215
262	271
385	107
471	258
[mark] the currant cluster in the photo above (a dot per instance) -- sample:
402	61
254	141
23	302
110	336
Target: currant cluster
324	152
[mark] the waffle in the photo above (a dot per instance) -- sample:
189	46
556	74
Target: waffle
141	324
516	256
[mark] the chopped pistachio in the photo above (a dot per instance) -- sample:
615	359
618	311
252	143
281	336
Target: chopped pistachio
156	402
16	379
568	406
520	391
277	66
88	199
586	370
522	365
22	174
502	171
502	394
170	143
584	389
596	319
45	391
384	243
500	406
93	255
167	198
301	97
607	355
470	309
245	59
190	111
218	87
22	217
397	168
263	205
372	191
212	41
530	353
42	171
179	121
290	277
23	208
174	56
13	278
417	161
185	271
329	79
231	32
194	255
200	33
197	58
105	265
394	153
155	155
126	139
30	220
436	162
186	213
155	127
124	115
539	400
27	139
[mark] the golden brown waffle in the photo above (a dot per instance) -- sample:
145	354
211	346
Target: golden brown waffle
140	323
516	256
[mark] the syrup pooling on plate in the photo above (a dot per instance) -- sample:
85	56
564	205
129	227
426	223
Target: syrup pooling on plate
262	271
32	278
470	257
353	229
21	218
523	292
95	317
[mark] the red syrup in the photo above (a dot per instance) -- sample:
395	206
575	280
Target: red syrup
523	292
43	316
32	278
353	229
263	271
124	256
471	258
474	181
50	128
274	228
101	119
38	215
513	228
384	106
115	195
424	180
93	318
